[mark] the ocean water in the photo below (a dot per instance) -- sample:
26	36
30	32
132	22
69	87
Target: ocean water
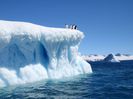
108	81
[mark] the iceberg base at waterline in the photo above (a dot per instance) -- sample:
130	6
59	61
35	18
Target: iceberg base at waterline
30	53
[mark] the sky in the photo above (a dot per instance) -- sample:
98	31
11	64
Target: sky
107	24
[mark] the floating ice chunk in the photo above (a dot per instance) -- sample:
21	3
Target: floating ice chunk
30	52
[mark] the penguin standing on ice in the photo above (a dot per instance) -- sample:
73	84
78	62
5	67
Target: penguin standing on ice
71	26
74	27
66	26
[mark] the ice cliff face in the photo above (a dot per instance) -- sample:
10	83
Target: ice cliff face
30	52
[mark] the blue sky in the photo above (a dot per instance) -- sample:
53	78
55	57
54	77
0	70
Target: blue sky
107	24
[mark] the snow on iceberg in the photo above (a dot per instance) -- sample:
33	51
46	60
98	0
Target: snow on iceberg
30	52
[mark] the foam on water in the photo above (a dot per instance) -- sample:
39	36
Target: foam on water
30	52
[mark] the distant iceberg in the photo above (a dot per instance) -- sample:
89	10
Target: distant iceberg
30	52
96	58
111	58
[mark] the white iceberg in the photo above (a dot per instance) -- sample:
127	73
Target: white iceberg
30	52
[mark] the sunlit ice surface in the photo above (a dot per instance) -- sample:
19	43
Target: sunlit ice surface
30	53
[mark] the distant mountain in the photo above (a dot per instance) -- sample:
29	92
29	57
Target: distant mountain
110	58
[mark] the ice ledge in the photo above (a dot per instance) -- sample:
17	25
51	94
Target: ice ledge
9	28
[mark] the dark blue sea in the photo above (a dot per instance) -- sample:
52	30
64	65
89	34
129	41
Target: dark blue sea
108	81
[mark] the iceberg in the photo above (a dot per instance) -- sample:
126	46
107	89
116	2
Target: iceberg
30	53
111	58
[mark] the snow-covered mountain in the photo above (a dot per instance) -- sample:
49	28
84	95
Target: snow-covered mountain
30	52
